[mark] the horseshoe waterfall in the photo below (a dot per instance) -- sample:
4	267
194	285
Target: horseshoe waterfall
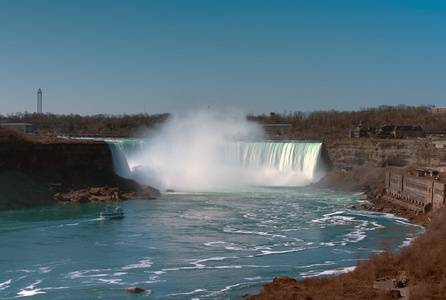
230	165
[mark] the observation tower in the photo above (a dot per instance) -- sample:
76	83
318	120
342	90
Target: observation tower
39	101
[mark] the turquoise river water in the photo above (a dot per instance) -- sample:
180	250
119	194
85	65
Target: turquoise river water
210	245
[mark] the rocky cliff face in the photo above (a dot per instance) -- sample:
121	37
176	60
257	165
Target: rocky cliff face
22	151
38	170
360	164
384	153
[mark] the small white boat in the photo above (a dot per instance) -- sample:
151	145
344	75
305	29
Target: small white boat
117	213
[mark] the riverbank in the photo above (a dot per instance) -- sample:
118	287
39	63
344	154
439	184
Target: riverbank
38	170
369	179
418	269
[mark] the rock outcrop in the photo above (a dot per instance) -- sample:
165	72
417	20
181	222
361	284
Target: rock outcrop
360	164
134	290
384	153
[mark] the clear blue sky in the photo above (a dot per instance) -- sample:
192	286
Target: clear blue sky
157	56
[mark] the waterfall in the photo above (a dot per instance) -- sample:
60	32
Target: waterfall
120	164
228	165
282	158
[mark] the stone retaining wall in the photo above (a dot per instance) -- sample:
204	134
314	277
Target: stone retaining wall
422	191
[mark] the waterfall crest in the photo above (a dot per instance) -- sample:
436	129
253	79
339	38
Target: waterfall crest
284	158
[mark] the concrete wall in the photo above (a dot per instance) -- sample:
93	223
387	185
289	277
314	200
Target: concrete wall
417	190
394	184
438	194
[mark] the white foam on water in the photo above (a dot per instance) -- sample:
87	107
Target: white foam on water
328	244
201	267
229	288
100	244
334	213
111	281
235	247
264	252
88	273
407	242
254	278
44	270
241	231
227	267
214	244
287	244
355	236
25	271
327	272
326	263
189	293
158	272
194	262
375	226
55	288
343	251
279	236
31	290
145	263
28	293
5	285
334	219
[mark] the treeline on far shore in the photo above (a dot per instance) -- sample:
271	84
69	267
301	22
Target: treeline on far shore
306	125
337	124
95	125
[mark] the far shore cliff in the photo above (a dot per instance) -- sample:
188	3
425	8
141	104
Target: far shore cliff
37	170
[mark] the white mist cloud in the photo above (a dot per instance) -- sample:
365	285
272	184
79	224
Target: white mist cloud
185	153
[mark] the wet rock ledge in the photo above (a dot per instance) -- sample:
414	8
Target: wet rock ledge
37	170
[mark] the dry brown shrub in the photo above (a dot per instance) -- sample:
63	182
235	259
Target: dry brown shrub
426	291
425	258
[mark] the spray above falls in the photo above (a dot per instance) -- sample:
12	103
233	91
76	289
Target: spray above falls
205	151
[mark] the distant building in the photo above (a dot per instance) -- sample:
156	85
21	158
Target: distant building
39	101
438	110
387	132
402	132
399	132
360	131
23	127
